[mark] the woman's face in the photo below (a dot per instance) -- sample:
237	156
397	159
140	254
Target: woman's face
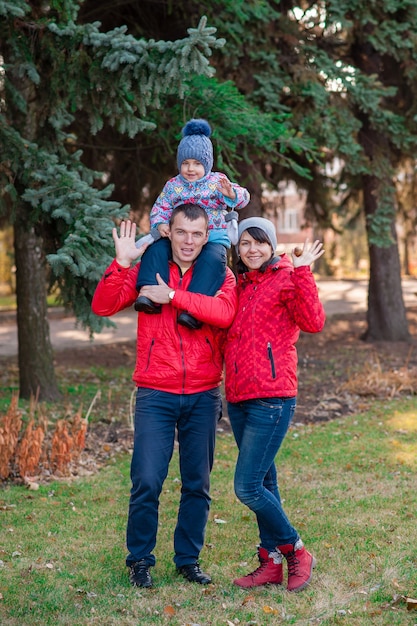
253	253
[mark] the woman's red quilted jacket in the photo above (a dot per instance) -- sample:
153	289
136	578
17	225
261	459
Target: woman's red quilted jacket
261	357
171	357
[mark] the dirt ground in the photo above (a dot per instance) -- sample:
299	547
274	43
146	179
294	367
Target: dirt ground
337	370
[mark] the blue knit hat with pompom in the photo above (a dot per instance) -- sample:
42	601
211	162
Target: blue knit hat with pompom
195	144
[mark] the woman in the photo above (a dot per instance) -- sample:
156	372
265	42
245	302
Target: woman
277	299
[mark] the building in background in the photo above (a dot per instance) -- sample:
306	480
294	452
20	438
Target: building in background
285	206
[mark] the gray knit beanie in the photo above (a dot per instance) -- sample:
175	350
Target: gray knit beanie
195	144
263	224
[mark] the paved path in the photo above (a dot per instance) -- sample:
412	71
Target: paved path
348	296
341	296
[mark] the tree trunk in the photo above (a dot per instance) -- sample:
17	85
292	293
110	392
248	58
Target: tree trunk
406	247
386	316
35	356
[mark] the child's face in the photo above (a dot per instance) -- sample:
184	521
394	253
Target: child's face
192	170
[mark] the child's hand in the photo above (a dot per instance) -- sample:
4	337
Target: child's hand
225	187
163	229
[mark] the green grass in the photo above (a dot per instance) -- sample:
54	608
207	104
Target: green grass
349	486
8	302
79	387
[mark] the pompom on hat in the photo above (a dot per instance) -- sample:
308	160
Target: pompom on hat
262	223
196	144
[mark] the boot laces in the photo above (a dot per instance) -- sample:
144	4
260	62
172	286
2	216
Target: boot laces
293	564
259	570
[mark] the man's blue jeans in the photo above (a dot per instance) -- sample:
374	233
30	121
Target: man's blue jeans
158	414
259	427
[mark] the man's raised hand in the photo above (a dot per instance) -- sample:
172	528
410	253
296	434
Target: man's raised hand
124	243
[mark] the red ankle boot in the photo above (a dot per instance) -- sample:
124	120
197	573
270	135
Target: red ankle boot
269	571
300	565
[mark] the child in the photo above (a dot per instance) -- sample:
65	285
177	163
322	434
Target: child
195	184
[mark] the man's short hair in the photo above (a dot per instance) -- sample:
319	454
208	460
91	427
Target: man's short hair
191	211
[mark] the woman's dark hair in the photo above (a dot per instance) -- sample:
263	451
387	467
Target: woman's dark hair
261	237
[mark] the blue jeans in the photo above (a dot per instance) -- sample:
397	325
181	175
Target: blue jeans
158	415
209	269
259	427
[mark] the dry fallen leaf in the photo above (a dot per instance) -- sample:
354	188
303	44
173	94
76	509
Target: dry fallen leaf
169	610
411	604
248	599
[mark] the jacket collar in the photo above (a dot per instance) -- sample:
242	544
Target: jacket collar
193	183
256	276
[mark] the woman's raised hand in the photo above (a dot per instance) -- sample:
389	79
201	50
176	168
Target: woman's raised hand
309	253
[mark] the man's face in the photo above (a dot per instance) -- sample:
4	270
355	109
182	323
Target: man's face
187	239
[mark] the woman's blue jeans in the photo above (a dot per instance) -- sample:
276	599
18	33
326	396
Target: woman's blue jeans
259	427
157	417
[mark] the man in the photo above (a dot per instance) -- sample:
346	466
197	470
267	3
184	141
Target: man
178	372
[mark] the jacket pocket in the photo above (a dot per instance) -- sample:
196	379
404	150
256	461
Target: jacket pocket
149	355
271	360
208	342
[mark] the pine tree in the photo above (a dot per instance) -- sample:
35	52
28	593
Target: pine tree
246	137
352	68
57	71
345	73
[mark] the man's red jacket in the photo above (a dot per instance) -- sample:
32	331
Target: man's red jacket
171	357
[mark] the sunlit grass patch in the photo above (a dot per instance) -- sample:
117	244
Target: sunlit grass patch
352	500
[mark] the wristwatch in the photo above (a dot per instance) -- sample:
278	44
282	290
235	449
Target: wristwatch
171	295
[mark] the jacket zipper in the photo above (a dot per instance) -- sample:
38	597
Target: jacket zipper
208	342
271	360
149	354
184	376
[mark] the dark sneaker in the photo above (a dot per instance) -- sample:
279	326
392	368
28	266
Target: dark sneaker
139	575
187	320
193	573
145	305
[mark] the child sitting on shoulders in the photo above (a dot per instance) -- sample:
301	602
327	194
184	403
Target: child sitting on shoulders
213	191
